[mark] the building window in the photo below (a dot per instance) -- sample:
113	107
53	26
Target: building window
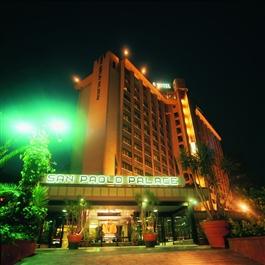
148	152
155	145
127	97
138	171
126	152
126	140
126	117
137	114
126	166
148	174
157	168
178	130
164	170
113	65
177	122
156	157
181	146
137	147
137	124
137	135
180	139
127	128
148	163
176	115
138	158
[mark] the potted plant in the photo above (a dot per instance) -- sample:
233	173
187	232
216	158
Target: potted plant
247	223
203	166
146	202
76	220
23	206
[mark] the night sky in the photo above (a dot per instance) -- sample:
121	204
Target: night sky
217	47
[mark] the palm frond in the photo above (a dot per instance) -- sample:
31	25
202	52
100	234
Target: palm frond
40	196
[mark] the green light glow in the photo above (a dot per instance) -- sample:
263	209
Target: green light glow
24	127
56	118
58	126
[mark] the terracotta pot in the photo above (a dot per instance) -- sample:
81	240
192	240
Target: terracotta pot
27	247
251	247
10	254
215	231
150	239
74	238
149	236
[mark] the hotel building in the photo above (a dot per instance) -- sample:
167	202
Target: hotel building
129	138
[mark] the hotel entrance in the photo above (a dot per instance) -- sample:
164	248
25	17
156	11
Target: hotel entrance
109	225
113	217
120	225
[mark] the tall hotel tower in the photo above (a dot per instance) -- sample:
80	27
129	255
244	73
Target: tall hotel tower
129	138
135	127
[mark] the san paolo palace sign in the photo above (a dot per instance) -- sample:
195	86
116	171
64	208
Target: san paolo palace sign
156	181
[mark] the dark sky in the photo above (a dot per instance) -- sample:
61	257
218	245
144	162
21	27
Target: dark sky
217	47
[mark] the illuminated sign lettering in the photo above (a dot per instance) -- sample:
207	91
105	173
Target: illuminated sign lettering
176	181
162	85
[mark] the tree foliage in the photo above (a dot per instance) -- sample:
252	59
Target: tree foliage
147	201
24	206
201	164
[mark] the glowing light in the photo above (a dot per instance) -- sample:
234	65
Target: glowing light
58	126
76	79
126	52
193	147
64	210
143	70
162	85
24	127
244	207
193	201
155	210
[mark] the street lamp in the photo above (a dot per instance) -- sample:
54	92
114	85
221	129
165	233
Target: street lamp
243	207
76	78
56	126
143	70
126	52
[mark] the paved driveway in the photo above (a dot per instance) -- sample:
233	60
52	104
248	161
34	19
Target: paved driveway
137	256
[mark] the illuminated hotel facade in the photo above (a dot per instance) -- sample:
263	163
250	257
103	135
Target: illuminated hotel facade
130	139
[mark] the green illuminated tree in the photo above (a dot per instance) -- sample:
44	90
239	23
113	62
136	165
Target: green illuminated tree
25	205
6	154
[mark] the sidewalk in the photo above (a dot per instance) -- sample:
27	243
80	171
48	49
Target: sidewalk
137	256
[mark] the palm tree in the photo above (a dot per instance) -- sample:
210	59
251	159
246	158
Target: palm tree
146	201
201	165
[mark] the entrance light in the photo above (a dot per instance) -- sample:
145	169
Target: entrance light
193	201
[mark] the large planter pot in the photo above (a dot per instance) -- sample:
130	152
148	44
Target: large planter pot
150	239
251	247
13	252
215	231
27	247
74	240
10	254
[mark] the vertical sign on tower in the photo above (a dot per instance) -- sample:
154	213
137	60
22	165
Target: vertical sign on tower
99	79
